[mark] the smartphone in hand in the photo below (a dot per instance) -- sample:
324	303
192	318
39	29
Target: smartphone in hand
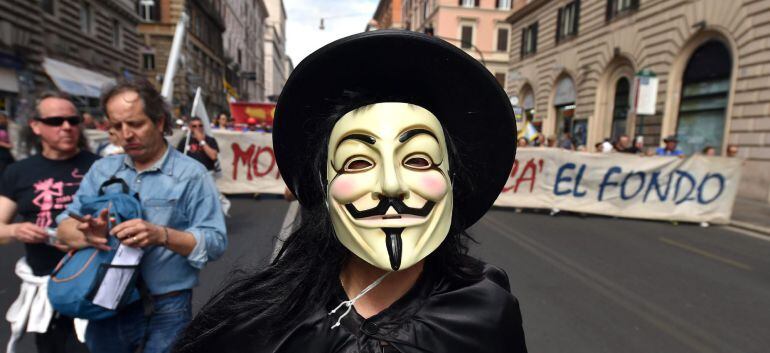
52	239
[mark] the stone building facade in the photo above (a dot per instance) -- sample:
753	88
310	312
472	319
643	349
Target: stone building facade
73	45
244	49
278	64
387	15
477	26
203	63
574	64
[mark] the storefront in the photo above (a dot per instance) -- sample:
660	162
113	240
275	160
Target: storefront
528	106
9	90
564	105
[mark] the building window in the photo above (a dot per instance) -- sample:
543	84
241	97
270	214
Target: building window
569	17
502	39
149	11
85	18
617	8
116	34
704	98
466	37
503	4
47	6
239	57
529	40
469	3
500	76
148	61
620	108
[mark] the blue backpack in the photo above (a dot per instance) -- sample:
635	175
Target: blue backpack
79	274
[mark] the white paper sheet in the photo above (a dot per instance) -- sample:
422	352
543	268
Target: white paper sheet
116	280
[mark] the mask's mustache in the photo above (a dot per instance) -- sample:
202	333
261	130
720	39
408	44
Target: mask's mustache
388	202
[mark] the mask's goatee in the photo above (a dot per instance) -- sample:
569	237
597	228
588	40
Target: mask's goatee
393	244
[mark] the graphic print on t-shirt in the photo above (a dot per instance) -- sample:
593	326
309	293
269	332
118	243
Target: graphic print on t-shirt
50	197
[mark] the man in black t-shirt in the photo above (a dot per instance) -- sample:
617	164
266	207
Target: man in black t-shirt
202	148
37	189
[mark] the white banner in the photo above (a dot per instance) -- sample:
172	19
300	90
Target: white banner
248	163
694	189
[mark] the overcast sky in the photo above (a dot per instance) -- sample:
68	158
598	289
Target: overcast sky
342	18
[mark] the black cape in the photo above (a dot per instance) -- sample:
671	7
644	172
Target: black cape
436	315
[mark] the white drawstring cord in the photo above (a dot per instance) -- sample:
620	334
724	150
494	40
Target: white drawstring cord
350	303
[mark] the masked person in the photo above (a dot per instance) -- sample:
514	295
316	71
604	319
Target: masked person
394	143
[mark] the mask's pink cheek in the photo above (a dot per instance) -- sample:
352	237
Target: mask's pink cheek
344	189
433	185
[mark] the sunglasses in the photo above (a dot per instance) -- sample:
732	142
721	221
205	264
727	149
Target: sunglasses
195	126
59	120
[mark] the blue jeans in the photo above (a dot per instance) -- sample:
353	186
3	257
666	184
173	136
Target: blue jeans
125	332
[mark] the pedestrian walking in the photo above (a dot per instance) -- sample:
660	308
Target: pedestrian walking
200	147
37	190
183	228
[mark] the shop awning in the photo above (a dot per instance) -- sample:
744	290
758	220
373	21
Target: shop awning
75	80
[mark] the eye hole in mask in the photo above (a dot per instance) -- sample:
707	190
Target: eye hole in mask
418	161
357	164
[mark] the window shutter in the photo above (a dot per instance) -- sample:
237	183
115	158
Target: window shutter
502	39
534	38
523	41
559	20
466	37
608	15
576	22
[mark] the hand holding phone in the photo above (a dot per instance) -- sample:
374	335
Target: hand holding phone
94	228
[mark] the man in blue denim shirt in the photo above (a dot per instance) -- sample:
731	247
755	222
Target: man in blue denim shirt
183	227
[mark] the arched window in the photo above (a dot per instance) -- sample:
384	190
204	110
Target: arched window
564	102
705	90
528	102
620	107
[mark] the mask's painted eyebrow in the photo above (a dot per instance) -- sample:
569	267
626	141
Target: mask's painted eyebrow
406	135
360	137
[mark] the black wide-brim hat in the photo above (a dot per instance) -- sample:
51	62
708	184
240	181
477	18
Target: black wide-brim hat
398	66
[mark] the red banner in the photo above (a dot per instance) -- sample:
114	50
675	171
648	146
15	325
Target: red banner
261	112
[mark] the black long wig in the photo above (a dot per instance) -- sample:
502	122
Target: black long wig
255	305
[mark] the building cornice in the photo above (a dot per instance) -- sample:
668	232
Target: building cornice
122	8
526	10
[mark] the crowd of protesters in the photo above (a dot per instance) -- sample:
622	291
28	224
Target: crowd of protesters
622	144
222	122
183	227
41	207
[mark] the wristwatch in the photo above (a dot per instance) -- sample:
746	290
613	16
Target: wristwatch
202	143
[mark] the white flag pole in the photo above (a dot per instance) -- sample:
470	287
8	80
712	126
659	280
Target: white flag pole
167	91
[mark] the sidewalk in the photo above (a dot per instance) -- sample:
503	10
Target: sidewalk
752	215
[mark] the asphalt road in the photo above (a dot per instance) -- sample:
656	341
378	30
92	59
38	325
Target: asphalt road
585	284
